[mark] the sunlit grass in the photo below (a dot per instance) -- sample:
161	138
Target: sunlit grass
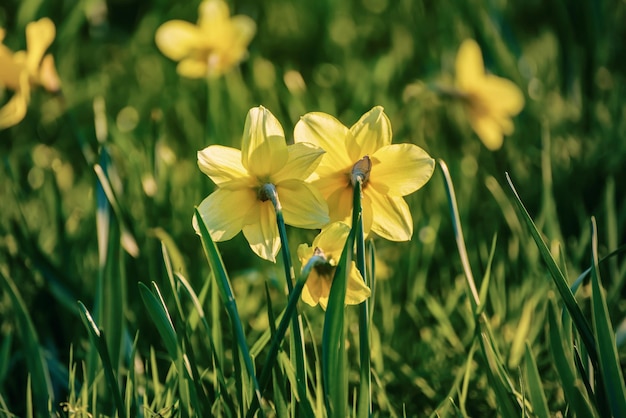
507	300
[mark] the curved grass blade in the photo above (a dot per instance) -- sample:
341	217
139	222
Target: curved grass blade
562	286
99	340
35	362
221	277
536	394
610	369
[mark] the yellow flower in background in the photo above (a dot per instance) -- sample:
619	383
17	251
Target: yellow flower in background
246	179
212	47
389	171
330	243
21	70
490	101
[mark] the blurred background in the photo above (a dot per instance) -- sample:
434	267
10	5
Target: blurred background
567	159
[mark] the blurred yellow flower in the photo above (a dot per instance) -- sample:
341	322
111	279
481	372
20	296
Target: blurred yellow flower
329	243
212	47
490	101
21	70
388	171
249	179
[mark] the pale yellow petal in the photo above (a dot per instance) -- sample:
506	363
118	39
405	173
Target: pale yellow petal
264	150
502	95
370	133
225	211
48	76
357	290
391	216
212	13
332	239
10	69
329	134
303	159
329	184
39	36
400	169
469	66
316	290
261	231
303	205
488	130
340	205
192	68
244	29
14	111
304	253
177	39
222	164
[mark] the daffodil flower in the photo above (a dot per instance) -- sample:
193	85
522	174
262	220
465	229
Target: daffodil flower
212	47
329	244
22	70
266	172
387	171
490	101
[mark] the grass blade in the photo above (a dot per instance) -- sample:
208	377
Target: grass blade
605	336
537	396
562	286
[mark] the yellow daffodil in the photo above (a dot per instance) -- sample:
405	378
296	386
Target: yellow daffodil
21	70
388	171
329	243
212	47
490	101
248	181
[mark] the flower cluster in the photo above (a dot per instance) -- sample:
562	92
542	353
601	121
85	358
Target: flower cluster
22	70
311	182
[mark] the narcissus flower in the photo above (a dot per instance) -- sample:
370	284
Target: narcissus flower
22	70
490	101
388	171
212	47
329	243
249	180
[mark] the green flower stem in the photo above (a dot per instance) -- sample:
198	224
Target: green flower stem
365	386
270	192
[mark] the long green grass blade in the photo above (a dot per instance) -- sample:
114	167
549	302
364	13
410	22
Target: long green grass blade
533	379
35	362
99	340
610	368
559	280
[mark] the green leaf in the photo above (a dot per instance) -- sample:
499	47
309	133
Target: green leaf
605	337
559	280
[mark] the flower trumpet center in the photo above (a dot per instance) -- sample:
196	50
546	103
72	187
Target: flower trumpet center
361	171
326	269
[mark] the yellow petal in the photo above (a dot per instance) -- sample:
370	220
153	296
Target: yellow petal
304	253
211	13
192	68
329	184
503	95
340	205
488	130
222	165
303	205
263	148
10	69
370	133
303	159
332	239
357	290
177	39
316	290
39	36
391	216
244	29
329	134
469	65
400	169
14	111
48	76
261	231
225	211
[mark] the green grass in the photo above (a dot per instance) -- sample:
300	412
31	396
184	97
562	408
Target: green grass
508	300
